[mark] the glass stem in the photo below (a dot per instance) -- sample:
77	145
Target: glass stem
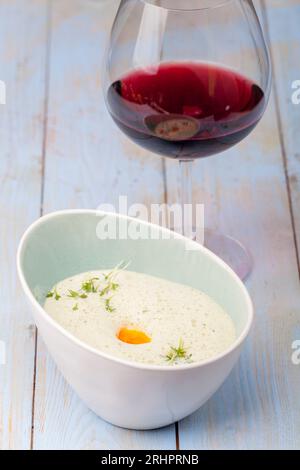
186	197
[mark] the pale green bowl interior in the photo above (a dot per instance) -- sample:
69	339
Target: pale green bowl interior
67	244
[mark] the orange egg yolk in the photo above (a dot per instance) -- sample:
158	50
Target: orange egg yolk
133	336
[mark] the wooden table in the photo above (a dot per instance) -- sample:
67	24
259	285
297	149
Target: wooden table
59	149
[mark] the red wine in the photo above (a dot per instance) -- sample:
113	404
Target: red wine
186	110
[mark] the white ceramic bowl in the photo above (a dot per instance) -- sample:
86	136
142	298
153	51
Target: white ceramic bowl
126	394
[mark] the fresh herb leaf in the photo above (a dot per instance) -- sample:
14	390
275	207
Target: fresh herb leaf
53	293
57	296
178	353
108	306
105	290
89	286
73	294
111	284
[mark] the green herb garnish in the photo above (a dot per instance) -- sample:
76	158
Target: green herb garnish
108	306
53	293
120	267
73	294
111	285
178	353
57	296
105	290
89	286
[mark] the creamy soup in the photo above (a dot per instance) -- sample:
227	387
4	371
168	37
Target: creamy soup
141	318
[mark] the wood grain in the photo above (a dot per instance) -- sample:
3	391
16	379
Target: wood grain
246	196
282	19
22	58
88	162
55	114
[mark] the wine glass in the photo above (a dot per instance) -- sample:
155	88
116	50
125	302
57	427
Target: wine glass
186	80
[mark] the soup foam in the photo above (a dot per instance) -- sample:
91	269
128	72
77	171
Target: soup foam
183	324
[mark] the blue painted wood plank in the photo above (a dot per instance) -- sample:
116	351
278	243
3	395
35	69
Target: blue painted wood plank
258	406
284	33
88	162
245	195
22	59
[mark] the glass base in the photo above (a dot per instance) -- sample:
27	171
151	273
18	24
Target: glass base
230	250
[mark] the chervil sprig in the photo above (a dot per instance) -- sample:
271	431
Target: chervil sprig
53	293
105	287
108	306
89	286
111	285
178	353
120	267
74	294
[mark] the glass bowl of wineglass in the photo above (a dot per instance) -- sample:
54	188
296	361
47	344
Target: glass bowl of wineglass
187	80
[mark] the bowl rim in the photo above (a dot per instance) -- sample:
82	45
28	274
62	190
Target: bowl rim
136	365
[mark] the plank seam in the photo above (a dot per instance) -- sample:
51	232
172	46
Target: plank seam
177	436
165	200
281	135
43	160
46	102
